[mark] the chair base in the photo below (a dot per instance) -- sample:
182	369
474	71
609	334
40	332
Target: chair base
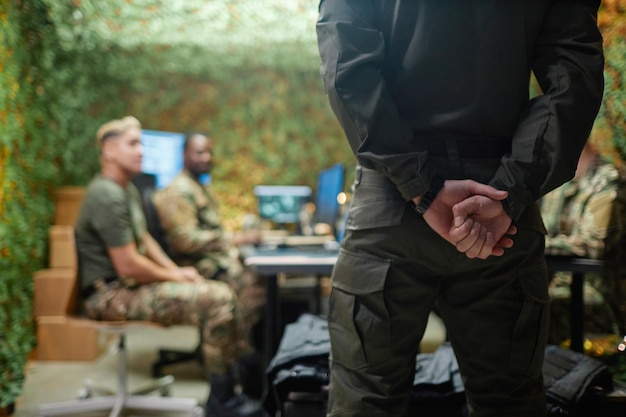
119	403
124	400
163	385
169	357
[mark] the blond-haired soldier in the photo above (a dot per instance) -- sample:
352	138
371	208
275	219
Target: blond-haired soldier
125	275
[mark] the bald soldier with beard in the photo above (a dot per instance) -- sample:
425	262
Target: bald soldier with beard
189	215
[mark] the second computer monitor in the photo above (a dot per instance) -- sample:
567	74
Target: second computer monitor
329	186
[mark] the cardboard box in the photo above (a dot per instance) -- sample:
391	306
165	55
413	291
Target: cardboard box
55	292
67	201
64	338
62	253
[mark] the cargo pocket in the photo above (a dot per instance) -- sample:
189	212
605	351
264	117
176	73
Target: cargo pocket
531	327
358	316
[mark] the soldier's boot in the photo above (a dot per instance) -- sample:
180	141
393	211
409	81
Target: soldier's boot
224	402
251	370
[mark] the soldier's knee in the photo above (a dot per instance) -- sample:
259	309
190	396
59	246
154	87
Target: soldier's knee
216	294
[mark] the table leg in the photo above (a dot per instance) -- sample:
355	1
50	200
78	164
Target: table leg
271	319
577	305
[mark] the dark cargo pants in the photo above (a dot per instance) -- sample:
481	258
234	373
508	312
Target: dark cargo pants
393	269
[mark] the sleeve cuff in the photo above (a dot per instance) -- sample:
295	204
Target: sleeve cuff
517	201
412	188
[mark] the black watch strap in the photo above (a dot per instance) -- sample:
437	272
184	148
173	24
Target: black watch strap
427	198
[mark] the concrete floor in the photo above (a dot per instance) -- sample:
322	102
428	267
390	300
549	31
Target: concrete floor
48	382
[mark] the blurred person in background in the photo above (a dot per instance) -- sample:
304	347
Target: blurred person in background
125	275
189	214
585	217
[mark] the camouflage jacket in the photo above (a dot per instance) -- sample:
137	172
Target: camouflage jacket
583	216
189	215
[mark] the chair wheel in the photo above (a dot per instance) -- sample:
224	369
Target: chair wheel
84	393
165	391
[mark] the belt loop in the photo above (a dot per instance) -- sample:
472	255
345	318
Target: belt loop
357	177
453	157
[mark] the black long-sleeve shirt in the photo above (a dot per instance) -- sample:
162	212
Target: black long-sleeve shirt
399	72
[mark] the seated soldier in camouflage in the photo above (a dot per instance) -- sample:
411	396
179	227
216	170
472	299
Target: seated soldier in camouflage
583	217
124	274
189	214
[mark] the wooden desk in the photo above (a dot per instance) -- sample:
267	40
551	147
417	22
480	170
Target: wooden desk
578	267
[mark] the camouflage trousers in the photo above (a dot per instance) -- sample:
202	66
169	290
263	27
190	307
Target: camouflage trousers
211	305
249	288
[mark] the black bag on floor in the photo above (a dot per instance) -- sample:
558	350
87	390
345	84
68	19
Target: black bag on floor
299	367
298	375
437	386
571	377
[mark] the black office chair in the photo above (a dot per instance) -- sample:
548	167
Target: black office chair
146	185
152	220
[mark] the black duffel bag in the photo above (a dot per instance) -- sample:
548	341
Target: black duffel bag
571	377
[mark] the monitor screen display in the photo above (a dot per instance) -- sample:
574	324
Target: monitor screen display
329	185
162	155
282	204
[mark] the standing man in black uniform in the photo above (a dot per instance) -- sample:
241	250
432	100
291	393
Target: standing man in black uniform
433	96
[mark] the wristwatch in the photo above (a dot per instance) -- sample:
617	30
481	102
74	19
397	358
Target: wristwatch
427	198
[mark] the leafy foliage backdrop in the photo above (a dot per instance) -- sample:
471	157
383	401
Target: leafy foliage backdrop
243	70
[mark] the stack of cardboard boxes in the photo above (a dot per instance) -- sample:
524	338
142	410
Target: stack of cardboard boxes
62	335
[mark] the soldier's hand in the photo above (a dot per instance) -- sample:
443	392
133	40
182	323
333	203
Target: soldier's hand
440	217
493	221
189	274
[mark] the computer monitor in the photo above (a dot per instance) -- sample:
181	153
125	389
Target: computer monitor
329	186
162	155
282	204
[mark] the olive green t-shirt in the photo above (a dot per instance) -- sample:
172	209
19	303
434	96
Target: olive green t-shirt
110	216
